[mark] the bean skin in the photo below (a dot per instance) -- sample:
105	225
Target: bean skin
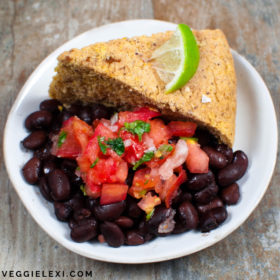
197	182
230	195
124	222
85	114
85	230
132	209
35	140
38	120
216	159
220	214
226	151
48	166
62	211
112	233
99	111
215	203
50	105
77	201
188	215
133	238
207	194
44	189
59	185
109	212
234	171
80	214
31	171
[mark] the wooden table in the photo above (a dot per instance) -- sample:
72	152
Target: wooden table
30	30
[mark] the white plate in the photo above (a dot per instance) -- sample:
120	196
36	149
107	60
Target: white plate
256	134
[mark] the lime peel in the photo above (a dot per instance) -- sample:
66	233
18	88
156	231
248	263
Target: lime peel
176	61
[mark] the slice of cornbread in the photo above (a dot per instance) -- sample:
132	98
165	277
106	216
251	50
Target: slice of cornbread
118	73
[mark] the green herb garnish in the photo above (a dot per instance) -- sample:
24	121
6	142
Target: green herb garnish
138	128
102	146
143	192
150	214
189	138
94	163
146	157
83	189
117	145
165	148
61	138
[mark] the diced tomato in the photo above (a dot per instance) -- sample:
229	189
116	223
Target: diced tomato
143	182
93	190
184	129
159	132
92	149
174	186
112	193
134	150
76	136
84	163
141	114
148	202
103	131
197	160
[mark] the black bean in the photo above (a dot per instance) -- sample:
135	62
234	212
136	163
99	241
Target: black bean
50	105
91	203
64	116
85	230
215	203
181	197
44	189
109	212
68	165
77	201
207	222
48	166
59	185
220	214
216	159
230	195
132	209
44	152
188	215
31	170
129	178
75	109
35	140
62	211
112	233
207	194
234	171
179	228
38	120
99	111
226	151
133	238
205	137
81	214
161	222
85	114
124	222
197	182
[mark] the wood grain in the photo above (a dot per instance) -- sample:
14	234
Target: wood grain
30	30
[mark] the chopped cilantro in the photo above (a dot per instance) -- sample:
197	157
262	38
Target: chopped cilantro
146	182
138	128
146	157
94	163
83	189
143	192
165	148
150	214
117	145
102	146
61	138
78	168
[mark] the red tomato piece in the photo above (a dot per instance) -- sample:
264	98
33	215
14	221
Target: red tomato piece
159	132
103	131
141	114
93	190
184	129
174	185
112	193
72	138
148	202
143	182
197	160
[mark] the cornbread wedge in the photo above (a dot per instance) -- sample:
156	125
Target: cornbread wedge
118	73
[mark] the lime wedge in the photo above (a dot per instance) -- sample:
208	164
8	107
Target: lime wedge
177	59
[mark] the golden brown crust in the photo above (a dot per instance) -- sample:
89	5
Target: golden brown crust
117	73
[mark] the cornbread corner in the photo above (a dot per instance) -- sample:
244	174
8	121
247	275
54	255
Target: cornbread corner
118	73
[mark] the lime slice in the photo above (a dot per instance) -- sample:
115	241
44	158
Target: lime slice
177	59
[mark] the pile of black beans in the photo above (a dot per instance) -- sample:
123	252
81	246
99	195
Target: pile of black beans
200	204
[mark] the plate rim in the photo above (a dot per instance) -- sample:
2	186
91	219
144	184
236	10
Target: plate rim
113	259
